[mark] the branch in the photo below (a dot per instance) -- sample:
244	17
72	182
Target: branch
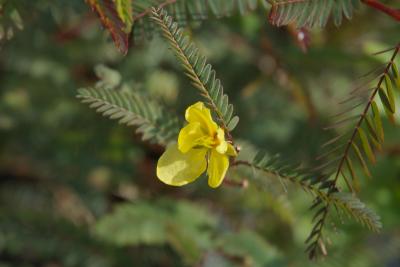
394	13
364	114
315	191
148	11
316	233
346	202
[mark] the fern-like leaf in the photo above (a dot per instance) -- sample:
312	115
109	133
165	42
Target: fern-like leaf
309	13
133	109
202	75
360	143
324	193
189	11
358	210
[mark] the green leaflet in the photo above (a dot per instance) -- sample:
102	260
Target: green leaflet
378	121
361	159
125	12
233	123
396	75
389	90
366	145
353	175
395	70
372	133
385	101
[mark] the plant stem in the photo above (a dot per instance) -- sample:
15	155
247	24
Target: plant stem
394	13
148	11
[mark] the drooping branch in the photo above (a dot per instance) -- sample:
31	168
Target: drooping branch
363	115
316	234
345	202
394	13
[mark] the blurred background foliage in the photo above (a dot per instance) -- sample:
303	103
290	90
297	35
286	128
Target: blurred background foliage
80	190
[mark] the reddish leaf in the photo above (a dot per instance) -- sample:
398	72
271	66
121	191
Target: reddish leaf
106	10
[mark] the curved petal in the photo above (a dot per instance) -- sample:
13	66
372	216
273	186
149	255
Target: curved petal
217	166
190	136
199	113
223	145
231	151
176	168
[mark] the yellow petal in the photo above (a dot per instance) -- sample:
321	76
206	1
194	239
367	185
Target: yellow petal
223	145
231	151
176	168
190	136
199	113
217	166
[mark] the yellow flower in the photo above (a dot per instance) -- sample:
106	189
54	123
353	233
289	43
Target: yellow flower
201	146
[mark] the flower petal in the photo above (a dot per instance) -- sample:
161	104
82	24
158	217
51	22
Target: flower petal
223	145
176	168
217	166
199	113
192	135
231	151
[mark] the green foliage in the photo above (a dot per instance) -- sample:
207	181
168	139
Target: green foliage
341	166
250	246
125	12
10	20
203	77
201	73
189	11
358	210
76	190
184	226
310	13
305	180
133	109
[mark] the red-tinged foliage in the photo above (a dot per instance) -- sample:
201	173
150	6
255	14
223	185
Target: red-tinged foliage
108	15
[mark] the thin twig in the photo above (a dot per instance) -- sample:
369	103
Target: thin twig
394	13
241	184
148	10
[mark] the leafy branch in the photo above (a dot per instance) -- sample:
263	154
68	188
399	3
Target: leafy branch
201	73
133	109
345	202
388	101
196	9
373	133
309	13
186	12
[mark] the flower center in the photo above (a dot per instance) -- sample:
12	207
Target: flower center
216	140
